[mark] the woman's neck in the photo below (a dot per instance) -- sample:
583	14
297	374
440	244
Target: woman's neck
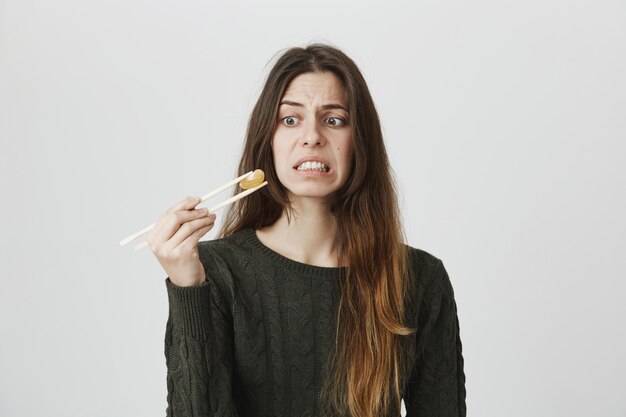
310	235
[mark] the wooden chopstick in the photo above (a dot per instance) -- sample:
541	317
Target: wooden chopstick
209	195
219	206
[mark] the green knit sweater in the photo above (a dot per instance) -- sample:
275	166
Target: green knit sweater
254	338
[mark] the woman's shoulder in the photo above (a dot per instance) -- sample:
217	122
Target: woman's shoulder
422	257
229	248
234	243
429	270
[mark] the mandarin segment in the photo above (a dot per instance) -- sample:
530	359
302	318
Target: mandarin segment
252	180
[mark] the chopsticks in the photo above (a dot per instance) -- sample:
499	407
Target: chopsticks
211	210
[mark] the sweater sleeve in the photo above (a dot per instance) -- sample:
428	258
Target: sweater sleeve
199	347
437	386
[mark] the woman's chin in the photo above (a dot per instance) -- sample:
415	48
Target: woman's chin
309	194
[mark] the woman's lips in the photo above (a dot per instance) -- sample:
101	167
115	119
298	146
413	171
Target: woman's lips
313	172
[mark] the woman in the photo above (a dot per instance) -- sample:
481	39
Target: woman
308	303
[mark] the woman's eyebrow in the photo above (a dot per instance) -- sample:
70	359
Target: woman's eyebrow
324	106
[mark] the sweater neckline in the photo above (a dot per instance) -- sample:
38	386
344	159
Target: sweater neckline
251	237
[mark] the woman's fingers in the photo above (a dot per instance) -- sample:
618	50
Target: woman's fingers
170	223
188	229
174	241
191	241
187	203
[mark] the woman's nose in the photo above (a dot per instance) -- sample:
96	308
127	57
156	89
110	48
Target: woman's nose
312	136
309	142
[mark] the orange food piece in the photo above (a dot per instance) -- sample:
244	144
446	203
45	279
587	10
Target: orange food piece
253	180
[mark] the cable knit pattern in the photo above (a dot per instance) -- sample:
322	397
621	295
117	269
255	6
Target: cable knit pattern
254	339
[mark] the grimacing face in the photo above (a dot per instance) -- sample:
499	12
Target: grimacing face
313	121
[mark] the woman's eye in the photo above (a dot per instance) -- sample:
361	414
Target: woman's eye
290	120
336	121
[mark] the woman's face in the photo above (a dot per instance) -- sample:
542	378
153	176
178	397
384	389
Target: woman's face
313	123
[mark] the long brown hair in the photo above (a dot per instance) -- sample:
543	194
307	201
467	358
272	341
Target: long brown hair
367	372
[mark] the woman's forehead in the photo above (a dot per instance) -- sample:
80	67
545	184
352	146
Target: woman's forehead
316	86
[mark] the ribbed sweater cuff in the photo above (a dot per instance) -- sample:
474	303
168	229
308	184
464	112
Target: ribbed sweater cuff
190	308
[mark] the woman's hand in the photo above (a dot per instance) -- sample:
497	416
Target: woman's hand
174	241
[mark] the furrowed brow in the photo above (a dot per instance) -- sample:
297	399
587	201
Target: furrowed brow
334	106
325	106
291	103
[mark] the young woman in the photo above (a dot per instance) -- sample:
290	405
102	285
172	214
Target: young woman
309	302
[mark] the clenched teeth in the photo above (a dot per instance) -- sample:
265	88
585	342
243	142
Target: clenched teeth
313	165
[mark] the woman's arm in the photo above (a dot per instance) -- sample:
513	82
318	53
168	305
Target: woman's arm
199	350
437	386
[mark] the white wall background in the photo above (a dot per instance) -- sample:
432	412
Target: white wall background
505	123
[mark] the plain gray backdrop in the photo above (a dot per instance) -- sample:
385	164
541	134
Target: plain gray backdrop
505	124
